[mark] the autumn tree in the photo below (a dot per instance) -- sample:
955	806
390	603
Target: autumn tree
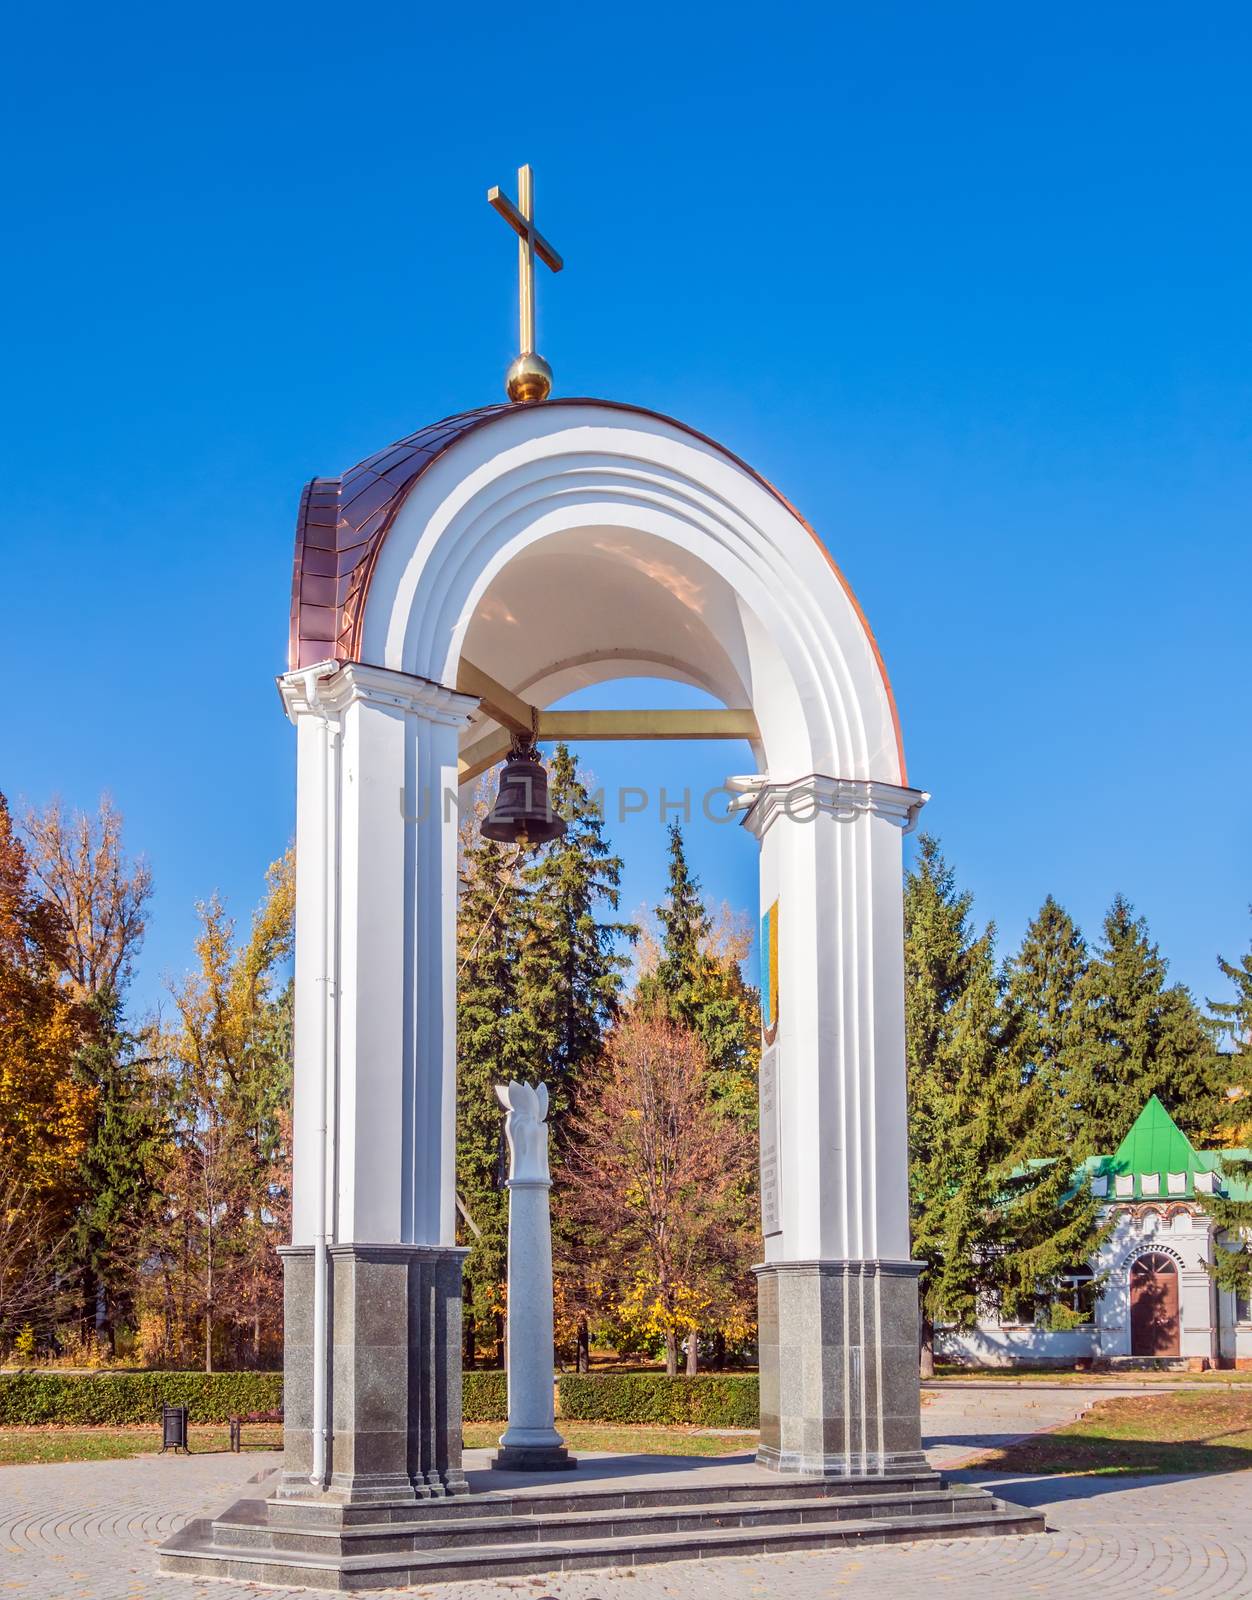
46	1112
29	1264
650	1172
693	973
96	897
227	1088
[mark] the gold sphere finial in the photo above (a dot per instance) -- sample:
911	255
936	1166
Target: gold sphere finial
529	378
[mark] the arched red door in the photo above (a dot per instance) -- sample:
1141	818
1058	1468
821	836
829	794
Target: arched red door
1153	1306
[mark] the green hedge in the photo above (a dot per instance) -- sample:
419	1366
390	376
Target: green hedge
484	1396
124	1397
118	1398
712	1400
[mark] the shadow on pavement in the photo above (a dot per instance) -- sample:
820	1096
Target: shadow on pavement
1037	1490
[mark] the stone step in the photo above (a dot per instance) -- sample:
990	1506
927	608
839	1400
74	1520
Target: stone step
192	1552
546	1498
245	1532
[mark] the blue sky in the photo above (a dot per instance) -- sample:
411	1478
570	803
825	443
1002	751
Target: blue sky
969	283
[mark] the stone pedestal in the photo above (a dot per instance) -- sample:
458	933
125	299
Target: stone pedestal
840	1394
394	1379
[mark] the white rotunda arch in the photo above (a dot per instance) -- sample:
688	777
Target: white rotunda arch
584	474
483	569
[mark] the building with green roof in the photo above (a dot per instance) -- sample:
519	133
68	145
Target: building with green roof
1149	1293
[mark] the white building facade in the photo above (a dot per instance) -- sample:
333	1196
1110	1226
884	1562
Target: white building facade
1149	1293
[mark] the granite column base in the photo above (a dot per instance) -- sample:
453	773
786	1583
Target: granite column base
840	1394
393	1376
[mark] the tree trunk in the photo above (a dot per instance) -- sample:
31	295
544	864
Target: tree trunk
719	1351
104	1330
928	1349
671	1355
584	1346
208	1311
693	1353
500	1350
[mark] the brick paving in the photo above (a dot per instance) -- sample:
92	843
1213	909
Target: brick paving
88	1531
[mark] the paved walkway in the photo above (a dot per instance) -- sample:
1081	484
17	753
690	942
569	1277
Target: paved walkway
88	1532
959	1422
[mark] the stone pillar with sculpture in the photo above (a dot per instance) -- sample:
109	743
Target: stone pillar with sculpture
531	1442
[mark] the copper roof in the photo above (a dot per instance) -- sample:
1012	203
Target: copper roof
343	521
340	528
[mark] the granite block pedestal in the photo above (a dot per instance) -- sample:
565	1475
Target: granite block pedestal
394	1383
840	1394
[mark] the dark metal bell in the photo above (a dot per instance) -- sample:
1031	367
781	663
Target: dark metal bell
522	813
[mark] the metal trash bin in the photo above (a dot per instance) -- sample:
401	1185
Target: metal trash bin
174	1430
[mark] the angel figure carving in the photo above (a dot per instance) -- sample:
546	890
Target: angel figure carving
526	1129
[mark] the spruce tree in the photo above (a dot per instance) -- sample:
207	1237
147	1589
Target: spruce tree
684	928
571	967
1043	978
995	1221
110	1235
727	1012
1231	1022
698	981
487	1054
1136	1036
540	973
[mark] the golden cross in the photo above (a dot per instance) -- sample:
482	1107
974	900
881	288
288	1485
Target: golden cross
530	377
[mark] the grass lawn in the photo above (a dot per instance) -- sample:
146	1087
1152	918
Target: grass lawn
1186	1430
25	1445
949	1374
20	1446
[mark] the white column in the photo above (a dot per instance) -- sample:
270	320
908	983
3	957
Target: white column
831	857
837	1292
530	1442
372	1276
375	951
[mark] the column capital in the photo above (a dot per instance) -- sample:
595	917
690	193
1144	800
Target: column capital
331	687
763	800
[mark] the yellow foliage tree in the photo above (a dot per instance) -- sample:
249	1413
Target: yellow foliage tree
229	1084
45	1115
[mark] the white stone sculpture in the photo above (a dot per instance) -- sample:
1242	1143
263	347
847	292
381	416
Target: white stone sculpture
530	1443
526	1129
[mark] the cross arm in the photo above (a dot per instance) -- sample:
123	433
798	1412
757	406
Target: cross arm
497	198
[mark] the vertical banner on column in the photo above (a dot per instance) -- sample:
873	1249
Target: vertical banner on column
771	1218
769	973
